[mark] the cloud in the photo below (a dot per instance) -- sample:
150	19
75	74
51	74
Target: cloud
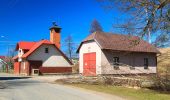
2	36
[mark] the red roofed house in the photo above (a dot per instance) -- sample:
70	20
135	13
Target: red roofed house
105	53
42	57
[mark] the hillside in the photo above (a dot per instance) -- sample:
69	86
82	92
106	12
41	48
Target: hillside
164	60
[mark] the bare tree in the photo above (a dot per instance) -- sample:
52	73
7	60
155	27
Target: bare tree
10	54
95	26
70	47
11	51
147	18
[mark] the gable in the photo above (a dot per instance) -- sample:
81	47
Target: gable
53	58
89	46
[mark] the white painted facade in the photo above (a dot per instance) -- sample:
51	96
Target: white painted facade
20	53
104	60
89	47
51	59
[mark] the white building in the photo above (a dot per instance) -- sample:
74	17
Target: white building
106	53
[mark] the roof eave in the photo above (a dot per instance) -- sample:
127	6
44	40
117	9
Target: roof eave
130	51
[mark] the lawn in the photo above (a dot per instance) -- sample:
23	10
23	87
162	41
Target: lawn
128	93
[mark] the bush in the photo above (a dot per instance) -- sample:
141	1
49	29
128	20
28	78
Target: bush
122	81
108	80
161	83
162	80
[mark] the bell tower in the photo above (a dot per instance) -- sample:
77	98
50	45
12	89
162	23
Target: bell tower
55	34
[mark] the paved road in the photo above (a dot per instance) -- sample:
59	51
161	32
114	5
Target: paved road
29	89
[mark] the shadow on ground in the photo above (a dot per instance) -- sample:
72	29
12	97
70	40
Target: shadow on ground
13	78
16	82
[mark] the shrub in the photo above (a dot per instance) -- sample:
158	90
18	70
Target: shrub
161	83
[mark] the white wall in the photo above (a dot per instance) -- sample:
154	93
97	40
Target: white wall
51	59
88	48
20	53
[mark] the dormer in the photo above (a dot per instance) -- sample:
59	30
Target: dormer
23	47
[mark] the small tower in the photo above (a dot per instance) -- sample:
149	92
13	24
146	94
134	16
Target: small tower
55	34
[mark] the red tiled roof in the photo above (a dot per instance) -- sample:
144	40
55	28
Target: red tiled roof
34	47
25	45
2	57
120	42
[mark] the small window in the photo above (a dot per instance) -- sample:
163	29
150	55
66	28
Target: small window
20	51
116	61
46	50
145	63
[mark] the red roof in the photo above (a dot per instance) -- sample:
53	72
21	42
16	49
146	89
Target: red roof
34	47
25	45
2	57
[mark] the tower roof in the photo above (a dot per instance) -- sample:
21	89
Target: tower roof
54	26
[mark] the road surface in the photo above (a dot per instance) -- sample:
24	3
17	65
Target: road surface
31	89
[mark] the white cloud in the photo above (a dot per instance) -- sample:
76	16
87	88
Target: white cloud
2	36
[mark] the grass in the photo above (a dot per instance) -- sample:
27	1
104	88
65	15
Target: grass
128	93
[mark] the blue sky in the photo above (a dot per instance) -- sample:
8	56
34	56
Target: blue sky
29	20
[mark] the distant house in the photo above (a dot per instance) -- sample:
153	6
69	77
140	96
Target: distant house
2	64
42	57
106	53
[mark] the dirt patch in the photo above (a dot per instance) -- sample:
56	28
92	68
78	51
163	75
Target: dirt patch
3	85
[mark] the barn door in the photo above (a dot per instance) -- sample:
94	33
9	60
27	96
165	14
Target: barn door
89	64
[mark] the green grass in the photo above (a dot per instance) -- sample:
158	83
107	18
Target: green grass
128	93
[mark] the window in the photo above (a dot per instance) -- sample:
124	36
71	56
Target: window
145	63
46	50
116	61
20	51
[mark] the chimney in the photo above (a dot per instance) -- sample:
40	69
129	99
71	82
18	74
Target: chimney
55	34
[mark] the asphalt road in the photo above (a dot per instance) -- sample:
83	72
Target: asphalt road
31	89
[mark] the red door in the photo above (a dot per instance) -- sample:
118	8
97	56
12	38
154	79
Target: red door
89	64
16	67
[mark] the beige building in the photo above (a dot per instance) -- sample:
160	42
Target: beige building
106	53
